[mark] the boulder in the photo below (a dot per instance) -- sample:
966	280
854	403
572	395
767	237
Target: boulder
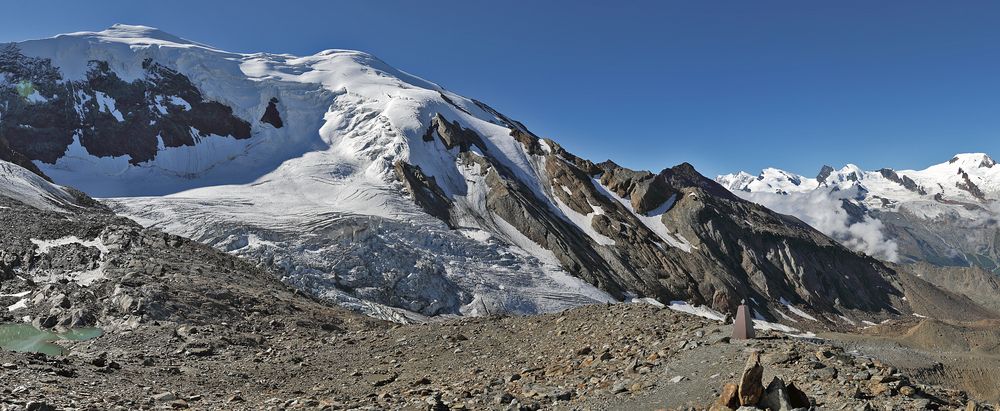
164	397
751	388
728	399
776	396
796	397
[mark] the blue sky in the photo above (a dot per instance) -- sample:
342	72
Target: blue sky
723	85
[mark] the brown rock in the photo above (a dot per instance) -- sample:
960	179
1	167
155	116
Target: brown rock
751	388
907	390
878	388
728	398
719	407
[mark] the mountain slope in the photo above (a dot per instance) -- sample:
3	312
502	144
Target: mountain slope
22	185
373	188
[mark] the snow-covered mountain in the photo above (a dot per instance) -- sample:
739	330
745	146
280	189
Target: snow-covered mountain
945	214
392	195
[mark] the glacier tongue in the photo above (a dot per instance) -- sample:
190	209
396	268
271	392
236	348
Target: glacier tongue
418	264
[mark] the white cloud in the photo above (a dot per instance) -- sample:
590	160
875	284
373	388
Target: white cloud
823	210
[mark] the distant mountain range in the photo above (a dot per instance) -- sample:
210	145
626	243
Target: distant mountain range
944	215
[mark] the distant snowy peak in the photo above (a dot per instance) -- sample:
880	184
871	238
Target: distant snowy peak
972	176
973	160
943	214
134	34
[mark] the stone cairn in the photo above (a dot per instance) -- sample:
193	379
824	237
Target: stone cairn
743	326
750	392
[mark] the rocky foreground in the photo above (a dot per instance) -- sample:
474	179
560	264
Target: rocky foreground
623	356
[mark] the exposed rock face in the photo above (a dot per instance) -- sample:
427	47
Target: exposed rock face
980	286
967	185
453	135
824	173
644	256
110	116
625	252
904	181
516	204
424	191
271	114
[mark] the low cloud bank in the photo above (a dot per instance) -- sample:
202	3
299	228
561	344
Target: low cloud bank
823	210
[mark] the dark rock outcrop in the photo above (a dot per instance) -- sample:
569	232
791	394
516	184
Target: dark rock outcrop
424	191
904	181
453	135
969	186
824	173
271	114
111	116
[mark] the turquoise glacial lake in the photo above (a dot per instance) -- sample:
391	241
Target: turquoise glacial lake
25	338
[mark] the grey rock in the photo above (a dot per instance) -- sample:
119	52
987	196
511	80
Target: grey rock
164	397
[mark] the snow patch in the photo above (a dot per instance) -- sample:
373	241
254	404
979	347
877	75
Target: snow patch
785	316
653	220
44	246
795	310
22	303
701	310
790	331
36	97
107	104
585	222
644	300
24	186
177	101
